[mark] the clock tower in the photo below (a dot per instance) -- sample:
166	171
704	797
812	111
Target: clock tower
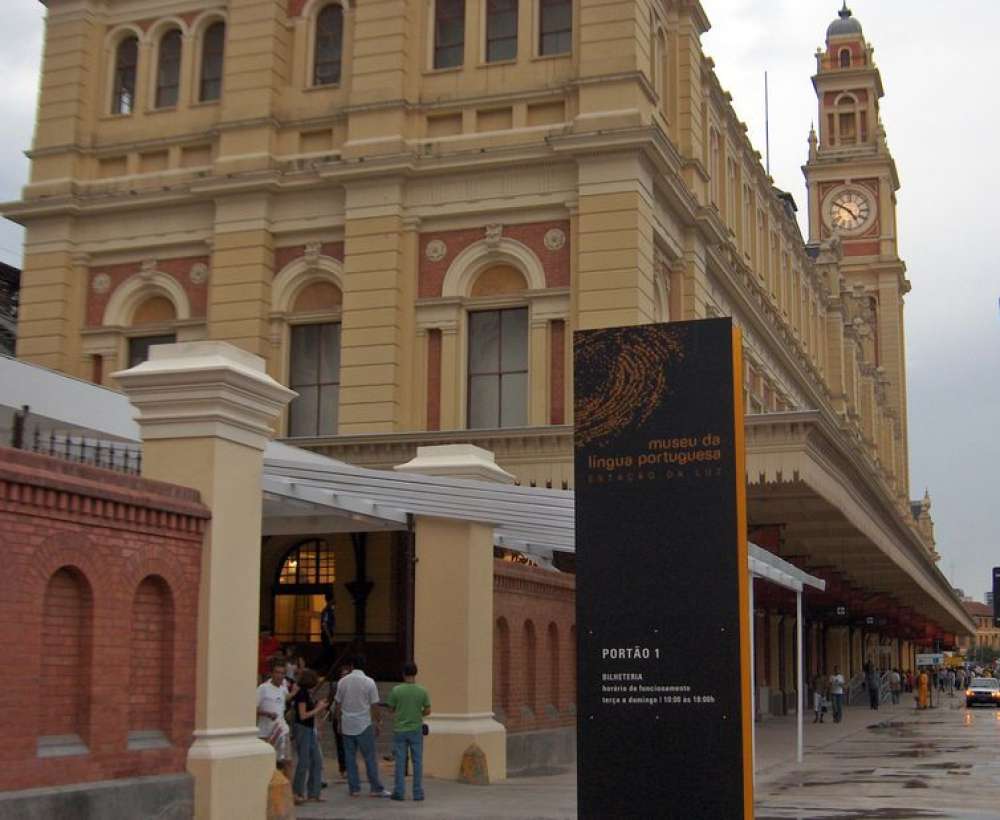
852	182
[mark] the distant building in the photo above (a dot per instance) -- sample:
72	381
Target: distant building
986	633
10	289
988	598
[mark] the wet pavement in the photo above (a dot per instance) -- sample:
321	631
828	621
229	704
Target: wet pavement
940	763
894	764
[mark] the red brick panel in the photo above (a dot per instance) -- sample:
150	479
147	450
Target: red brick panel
78	545
66	626
179	269
556	263
150	656
535	646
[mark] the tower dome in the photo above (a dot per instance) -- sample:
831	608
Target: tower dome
845	24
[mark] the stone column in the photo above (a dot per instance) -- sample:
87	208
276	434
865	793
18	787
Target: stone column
453	621
206	412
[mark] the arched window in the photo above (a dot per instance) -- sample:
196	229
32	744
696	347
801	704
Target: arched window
329	45
168	69
212	53
67	615
150	659
307	574
530	667
126	64
501	667
845	58
498	368
449	33
154	311
847	120
554	666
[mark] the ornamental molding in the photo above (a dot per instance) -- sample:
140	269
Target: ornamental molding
101	283
198	273
147	269
313	251
435	250
555	239
493	234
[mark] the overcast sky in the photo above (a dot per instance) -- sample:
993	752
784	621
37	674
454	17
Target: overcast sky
938	65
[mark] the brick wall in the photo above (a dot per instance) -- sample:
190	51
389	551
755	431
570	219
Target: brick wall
98	612
534	647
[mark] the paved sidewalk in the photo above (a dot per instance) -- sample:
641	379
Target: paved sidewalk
834	754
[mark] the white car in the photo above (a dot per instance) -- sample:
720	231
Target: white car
983	690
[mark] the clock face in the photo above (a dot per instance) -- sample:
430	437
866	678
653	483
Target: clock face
850	210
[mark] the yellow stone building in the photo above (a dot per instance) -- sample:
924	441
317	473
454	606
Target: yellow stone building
406	208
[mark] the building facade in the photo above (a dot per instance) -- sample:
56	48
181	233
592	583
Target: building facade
406	208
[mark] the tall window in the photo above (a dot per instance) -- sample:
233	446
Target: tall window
329	46
168	72
306	575
138	348
555	27
315	376
498	368
845	58
126	62
212	53
449	33
501	30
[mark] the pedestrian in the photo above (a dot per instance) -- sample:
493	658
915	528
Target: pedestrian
410	704
895	685
837	694
327	630
308	780
923	689
338	734
872	684
357	701
821	691
272	700
951	682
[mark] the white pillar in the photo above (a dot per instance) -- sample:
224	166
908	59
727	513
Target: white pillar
206	412
799	694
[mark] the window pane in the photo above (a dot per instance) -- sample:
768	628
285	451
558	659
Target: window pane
329	41
514	400
125	72
449	33
484	341
302	412
211	62
515	340
329	399
169	70
329	340
304	365
484	402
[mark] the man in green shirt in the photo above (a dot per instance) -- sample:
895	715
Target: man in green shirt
411	704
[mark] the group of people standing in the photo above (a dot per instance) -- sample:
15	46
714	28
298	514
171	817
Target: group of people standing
828	690
291	711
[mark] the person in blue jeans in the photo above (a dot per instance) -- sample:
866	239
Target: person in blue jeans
410	704
357	699
309	758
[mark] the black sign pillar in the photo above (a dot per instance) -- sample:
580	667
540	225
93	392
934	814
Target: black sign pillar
664	720
996	596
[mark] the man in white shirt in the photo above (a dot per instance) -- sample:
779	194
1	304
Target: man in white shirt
272	699
357	699
837	694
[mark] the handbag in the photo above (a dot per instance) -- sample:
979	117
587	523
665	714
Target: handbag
425	729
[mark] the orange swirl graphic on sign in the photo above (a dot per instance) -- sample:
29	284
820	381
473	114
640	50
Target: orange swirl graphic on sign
623	379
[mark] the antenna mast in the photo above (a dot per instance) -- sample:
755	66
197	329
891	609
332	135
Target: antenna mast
767	127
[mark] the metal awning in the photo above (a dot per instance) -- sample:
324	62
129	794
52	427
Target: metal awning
767	565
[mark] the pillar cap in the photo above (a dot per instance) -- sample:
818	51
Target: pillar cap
457	461
204	390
